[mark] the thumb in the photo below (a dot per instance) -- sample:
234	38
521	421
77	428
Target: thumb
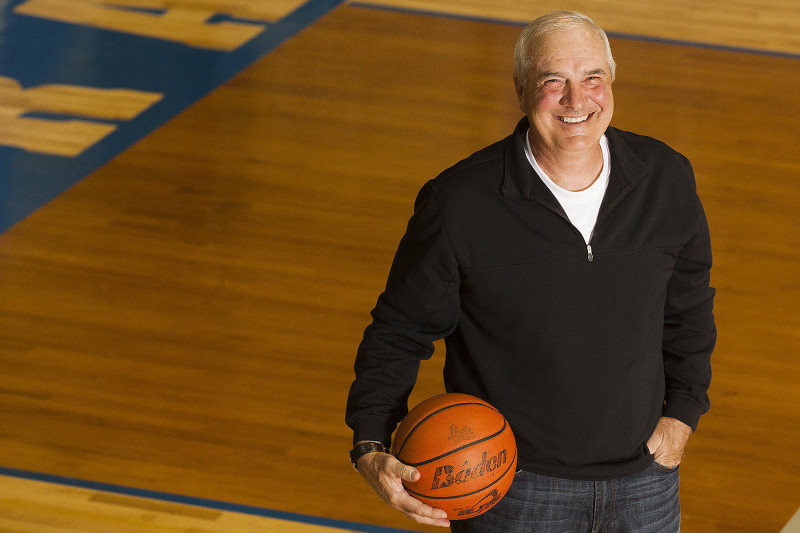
655	440
653	445
408	473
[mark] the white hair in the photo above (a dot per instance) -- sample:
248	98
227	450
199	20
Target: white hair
535	32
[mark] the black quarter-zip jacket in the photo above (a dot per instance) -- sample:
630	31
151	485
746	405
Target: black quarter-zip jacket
582	346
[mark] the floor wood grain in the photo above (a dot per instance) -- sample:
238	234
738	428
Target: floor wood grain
185	319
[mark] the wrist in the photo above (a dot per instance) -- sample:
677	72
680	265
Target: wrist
362	448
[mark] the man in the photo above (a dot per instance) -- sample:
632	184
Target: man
567	268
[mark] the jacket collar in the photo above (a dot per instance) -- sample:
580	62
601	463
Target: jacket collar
520	181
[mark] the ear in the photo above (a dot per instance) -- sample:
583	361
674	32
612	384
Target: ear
519	87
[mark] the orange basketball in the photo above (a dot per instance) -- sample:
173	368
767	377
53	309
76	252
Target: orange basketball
464	450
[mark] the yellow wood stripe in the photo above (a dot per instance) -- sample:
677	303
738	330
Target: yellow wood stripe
28	506
768	26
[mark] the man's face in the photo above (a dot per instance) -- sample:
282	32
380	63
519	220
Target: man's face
567	95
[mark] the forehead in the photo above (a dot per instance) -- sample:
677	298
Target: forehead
578	47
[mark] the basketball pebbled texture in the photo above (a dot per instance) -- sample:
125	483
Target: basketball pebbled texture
464	450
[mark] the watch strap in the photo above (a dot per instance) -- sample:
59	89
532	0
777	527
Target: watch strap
363	448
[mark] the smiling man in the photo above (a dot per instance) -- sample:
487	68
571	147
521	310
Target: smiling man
565	91
567	267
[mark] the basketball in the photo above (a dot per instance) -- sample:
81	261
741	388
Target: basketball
464	450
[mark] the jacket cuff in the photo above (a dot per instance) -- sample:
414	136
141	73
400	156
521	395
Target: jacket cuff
686	410
375	429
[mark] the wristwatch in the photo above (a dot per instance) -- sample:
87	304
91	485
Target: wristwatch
363	448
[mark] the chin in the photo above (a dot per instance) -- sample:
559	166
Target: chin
581	142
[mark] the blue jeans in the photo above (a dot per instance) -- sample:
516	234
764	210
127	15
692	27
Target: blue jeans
645	502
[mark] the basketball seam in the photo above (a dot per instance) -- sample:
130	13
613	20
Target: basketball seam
412	430
464	447
510	466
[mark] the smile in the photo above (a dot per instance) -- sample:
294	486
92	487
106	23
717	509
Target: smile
575	120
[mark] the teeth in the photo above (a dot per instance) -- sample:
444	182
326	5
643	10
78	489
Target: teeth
574	120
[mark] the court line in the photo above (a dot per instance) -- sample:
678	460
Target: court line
613	35
205	503
45	52
793	526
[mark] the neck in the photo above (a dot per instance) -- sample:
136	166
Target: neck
573	171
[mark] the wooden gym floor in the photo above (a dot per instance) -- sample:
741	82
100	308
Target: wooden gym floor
186	273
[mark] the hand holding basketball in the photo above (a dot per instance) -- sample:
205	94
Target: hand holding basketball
385	474
464	451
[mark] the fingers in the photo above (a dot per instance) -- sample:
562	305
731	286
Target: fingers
418	511
654	443
386	474
667	458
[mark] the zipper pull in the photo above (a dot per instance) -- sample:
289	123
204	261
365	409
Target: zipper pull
589	252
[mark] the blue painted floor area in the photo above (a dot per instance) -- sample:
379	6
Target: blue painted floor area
45	58
45	62
199	502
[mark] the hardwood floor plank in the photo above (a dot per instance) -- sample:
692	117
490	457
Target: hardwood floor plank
185	319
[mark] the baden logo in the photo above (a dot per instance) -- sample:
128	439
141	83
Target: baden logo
484	503
464	434
446	475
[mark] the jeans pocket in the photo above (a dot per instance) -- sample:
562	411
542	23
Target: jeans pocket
665	469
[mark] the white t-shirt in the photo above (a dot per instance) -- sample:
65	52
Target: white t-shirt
582	207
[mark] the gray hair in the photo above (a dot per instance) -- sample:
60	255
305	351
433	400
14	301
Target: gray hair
536	31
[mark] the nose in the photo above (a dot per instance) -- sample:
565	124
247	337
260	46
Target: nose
574	95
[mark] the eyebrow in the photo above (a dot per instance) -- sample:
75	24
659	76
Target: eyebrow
545	75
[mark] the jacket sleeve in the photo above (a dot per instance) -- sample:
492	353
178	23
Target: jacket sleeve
689	330
419	306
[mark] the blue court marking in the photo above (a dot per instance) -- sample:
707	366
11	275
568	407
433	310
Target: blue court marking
617	35
198	502
36	51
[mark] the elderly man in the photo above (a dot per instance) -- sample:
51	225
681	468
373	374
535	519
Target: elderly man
567	268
